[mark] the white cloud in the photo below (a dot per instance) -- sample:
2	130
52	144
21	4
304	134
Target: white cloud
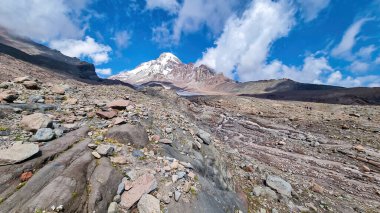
344	48
377	60
194	14
358	66
105	72
336	78
245	42
89	48
172	6
366	52
161	35
122	39
311	8
43	20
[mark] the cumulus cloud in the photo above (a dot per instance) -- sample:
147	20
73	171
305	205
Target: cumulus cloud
104	72
172	6
311	8
358	66
87	48
43	20
122	39
366	52
336	78
344	48
243	47
194	14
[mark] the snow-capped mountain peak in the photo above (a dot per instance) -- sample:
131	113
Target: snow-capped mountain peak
165	58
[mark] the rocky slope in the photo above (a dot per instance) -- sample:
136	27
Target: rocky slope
51	61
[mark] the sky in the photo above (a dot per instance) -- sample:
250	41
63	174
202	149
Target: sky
334	42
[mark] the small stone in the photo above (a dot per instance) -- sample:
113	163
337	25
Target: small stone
96	155
365	168
120	188
191	175
71	101
317	188
166	141
345	126
26	176
105	150
137	153
117	198
106	114
112	208
142	185
359	148
59	208
174	178
155	138
174	165
168	130
186	187
354	115
181	174
281	143
177	195
148	204
127	185
118	121
92	146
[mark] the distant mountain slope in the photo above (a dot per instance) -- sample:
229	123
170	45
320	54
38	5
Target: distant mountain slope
28	51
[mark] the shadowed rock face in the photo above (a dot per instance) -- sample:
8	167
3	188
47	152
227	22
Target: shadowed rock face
26	50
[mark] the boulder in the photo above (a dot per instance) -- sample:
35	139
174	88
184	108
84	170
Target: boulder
43	135
17	153
278	184
30	85
118	104
142	185
8	96
127	133
148	204
112	208
205	136
35	122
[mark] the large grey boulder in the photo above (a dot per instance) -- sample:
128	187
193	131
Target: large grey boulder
127	133
17	153
280	185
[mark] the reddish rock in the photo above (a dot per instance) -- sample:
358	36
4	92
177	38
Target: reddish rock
106	114
8	96
118	104
142	185
317	188
26	176
31	85
155	138
128	185
359	148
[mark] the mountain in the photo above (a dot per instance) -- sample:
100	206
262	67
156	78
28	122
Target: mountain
42	60
168	69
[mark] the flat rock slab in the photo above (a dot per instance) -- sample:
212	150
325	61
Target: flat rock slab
127	133
106	114
17	153
35	121
142	185
118	104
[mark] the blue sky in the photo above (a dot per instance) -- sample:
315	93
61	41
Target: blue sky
314	41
